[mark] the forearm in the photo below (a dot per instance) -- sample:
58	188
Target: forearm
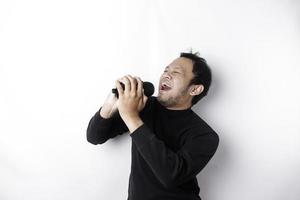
106	111
100	129
174	168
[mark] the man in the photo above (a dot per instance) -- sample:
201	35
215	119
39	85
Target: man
170	143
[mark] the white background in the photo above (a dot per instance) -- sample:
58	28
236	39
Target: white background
59	59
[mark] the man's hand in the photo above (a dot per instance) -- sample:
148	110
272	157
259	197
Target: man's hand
110	106
131	101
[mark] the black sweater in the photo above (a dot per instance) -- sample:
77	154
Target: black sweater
168	150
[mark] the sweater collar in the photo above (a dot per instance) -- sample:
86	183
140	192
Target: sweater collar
172	112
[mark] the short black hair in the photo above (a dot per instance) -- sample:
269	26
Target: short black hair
202	74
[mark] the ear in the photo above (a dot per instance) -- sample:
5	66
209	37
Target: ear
196	90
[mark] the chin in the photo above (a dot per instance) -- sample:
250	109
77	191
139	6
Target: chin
160	98
164	101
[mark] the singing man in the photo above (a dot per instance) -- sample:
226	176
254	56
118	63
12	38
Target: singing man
171	144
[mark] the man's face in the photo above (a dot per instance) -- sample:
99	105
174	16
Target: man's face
174	91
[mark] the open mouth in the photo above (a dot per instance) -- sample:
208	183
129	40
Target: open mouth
165	87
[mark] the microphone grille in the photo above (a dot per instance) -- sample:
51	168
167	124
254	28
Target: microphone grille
148	88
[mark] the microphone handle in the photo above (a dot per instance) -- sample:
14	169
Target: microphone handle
115	90
147	86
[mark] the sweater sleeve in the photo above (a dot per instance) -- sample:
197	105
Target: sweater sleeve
101	129
174	168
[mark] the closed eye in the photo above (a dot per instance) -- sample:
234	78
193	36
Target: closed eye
174	72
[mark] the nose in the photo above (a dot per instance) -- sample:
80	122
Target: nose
167	75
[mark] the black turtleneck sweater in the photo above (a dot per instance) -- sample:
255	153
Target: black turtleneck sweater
168	150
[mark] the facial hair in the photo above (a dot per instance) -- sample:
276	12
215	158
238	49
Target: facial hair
173	101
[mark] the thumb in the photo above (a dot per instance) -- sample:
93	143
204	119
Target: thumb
145	98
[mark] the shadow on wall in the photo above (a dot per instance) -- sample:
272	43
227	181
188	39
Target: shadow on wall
209	178
295	4
119	139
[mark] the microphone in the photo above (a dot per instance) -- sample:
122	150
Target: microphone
148	89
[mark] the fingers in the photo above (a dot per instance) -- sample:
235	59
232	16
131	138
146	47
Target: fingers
145	98
132	85
133	94
119	87
140	89
127	83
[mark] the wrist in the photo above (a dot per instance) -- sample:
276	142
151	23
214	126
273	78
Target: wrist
105	112
133	124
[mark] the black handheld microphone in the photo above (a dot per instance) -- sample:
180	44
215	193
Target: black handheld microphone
148	89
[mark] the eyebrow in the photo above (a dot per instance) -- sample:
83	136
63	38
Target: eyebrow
176	67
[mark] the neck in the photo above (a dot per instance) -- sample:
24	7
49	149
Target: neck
179	107
183	104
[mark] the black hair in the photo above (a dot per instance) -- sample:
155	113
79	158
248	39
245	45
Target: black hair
202	74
